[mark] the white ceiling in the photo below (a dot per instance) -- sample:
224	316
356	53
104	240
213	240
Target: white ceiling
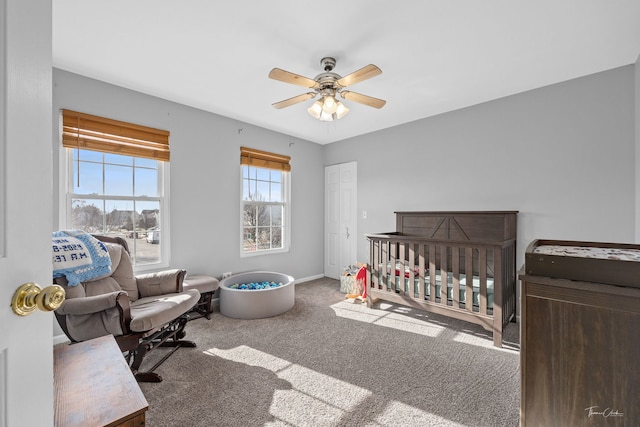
435	56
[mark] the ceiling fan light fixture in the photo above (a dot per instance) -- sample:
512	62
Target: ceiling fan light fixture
329	104
341	110
316	109
326	117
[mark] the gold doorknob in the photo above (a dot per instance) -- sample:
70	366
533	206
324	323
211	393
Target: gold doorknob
29	296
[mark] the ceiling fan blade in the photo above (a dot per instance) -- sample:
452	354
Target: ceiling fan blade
363	99
363	73
294	79
294	100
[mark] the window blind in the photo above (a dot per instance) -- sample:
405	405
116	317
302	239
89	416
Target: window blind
264	159
84	131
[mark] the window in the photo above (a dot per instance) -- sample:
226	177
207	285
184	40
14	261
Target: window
265	202
115	184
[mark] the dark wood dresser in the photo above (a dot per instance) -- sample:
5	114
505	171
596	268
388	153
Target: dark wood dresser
94	386
580	334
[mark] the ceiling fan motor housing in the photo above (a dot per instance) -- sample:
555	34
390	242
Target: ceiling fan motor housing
328	63
328	79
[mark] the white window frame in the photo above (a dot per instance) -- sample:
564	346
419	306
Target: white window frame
66	195
286	220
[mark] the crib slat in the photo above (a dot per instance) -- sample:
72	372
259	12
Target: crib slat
412	260
392	261
370	268
455	269
498	283
421	271
402	280
444	276
375	257
432	273
509	288
482	272
384	260
468	271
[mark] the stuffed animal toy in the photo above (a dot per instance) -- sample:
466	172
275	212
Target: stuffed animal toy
361	281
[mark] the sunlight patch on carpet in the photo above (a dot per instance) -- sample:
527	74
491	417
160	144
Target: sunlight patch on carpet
466	338
484	341
411	416
388	316
251	357
329	399
419	322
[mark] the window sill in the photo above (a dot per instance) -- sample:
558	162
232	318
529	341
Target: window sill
261	253
150	268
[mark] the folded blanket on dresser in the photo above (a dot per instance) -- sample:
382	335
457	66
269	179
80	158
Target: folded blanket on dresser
78	256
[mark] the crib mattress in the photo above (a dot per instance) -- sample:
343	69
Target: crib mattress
462	277
462	291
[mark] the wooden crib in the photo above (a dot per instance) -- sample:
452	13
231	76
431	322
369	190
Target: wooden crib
457	264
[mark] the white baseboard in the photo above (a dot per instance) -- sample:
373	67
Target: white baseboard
60	339
310	278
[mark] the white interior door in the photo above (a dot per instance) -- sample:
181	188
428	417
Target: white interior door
26	356
341	203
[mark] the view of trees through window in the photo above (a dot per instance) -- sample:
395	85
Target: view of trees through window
263	202
117	195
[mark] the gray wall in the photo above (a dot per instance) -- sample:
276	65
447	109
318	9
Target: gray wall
637	118
562	155
205	174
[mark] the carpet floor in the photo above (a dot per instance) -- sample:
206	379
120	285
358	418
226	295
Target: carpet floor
332	362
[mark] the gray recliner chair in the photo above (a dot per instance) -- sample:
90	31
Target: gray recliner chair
142	312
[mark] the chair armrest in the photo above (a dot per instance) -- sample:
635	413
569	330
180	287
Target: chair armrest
94	304
124	308
160	283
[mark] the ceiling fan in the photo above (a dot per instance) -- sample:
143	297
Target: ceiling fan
328	84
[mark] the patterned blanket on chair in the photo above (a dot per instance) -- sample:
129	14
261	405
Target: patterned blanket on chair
79	257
